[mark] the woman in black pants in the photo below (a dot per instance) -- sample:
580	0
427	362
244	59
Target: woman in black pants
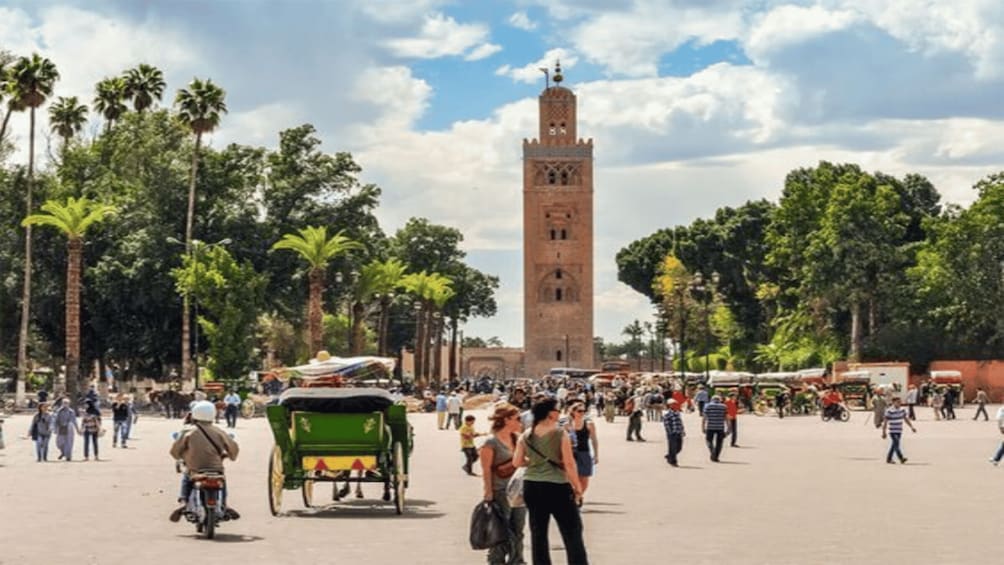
551	484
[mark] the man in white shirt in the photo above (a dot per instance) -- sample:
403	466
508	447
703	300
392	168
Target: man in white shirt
453	410
561	395
233	403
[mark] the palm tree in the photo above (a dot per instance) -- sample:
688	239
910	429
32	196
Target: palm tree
374	289
72	219
199	107
67	117
440	297
8	92
424	287
143	85
29	83
110	100
317	249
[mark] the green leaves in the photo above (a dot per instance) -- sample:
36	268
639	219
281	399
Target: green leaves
72	218
315	247
201	105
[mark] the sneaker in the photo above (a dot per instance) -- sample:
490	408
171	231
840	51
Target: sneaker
903	461
231	514
889	461
176	514
994	461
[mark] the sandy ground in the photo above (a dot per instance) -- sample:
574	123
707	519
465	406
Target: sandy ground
798	491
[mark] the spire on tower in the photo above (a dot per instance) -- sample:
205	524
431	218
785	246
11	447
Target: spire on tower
558	77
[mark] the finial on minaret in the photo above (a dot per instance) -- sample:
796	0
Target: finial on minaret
547	77
557	72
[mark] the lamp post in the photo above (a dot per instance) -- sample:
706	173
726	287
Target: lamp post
417	355
705	291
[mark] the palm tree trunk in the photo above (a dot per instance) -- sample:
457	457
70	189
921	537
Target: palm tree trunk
22	343
186	318
453	347
315	316
6	120
855	353
419	348
427	356
75	248
437	361
384	324
358	328
872	316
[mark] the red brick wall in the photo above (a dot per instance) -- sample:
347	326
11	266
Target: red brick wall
986	374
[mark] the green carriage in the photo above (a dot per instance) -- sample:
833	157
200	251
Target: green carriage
338	434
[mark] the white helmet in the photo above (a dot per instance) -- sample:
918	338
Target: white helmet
203	411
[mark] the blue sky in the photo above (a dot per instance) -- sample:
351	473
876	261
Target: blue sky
692	104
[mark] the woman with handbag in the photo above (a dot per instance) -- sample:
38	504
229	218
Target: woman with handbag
90	425
497	467
551	484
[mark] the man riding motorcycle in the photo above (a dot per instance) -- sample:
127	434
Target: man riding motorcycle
832	403
202	446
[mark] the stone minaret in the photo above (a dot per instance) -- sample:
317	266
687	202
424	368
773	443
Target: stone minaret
557	238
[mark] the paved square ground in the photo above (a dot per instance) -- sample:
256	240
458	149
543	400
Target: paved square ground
798	491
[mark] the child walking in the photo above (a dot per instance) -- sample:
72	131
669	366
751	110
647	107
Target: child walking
467	435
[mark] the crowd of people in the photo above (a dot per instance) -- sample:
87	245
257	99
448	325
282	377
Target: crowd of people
66	422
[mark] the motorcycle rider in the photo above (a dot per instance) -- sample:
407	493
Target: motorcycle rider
203	446
833	403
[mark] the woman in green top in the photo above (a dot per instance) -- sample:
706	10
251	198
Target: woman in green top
551	484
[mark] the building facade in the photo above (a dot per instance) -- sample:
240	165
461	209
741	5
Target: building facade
557	238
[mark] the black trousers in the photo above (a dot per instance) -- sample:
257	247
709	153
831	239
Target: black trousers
674	448
634	425
911	415
231	415
544	500
700	408
715	439
982	410
734	430
949	411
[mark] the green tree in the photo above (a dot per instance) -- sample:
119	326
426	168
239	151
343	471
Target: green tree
229	295
30	83
144	84
314	246
67	118
200	107
374	291
109	100
8	93
426	289
72	219
634	332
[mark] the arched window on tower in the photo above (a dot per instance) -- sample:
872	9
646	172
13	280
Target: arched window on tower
557	355
564	234
557	295
563	130
552	130
557	274
554	235
552	177
564	178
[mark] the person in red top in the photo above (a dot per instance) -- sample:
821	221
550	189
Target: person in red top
831	400
732	415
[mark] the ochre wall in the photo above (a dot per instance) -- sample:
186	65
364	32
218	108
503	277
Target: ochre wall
986	374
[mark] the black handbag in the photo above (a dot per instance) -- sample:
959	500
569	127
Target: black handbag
488	526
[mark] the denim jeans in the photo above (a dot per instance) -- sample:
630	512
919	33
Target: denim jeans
89	438
231	414
675	442
120	432
894	447
715	439
1000	453
42	448
186	490
544	500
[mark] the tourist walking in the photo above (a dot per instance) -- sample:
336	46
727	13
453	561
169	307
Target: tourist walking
732	415
636	409
232	401
467	435
715	426
937	403
675	432
996	459
551	485
41	431
780	401
453	411
981	404
895	417
948	407
911	401
497	468
879	406
584	434
441	410
91	426
609	407
121	420
66	429
701	398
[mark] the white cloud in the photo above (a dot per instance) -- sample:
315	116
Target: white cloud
787	25
400	98
258	126
522	21
398	11
530	73
440	36
483	51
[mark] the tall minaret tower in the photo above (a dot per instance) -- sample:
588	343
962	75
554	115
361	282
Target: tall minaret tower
557	238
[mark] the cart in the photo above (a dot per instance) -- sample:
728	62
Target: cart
338	434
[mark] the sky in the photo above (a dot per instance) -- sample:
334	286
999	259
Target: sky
692	104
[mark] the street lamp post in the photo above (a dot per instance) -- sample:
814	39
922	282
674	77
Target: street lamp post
705	292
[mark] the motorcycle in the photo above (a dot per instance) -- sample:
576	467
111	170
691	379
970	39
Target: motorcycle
835	411
205	503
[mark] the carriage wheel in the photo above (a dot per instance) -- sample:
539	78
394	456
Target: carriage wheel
247	408
845	415
308	493
399	478
276	481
